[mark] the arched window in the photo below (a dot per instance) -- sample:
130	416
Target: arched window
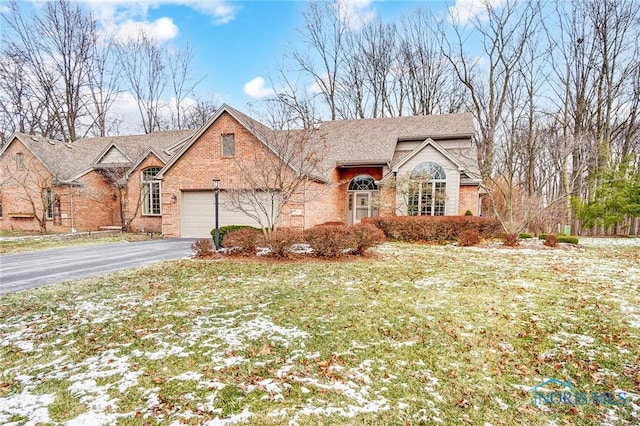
427	190
151	192
363	183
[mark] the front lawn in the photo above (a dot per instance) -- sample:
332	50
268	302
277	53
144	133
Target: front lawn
13	243
415	335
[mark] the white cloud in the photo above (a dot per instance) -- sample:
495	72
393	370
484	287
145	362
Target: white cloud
162	29
256	88
355	13
220	10
126	18
465	10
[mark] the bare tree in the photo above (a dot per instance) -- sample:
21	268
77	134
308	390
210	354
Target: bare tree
180	70
57	45
377	47
275	176
594	56
20	109
324	33
33	186
128	200
504	34
103	86
429	81
144	69
196	114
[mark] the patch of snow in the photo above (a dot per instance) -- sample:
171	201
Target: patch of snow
231	420
34	407
189	375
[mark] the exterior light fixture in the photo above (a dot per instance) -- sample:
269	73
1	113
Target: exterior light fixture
216	191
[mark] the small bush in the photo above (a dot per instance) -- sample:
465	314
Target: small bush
280	242
468	213
224	230
525	236
243	241
570	239
468	238
202	248
330	240
542	237
551	240
365	236
332	223
510	239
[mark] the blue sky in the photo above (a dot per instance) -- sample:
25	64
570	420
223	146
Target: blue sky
236	44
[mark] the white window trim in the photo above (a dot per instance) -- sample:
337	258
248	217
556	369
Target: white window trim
147	195
50	200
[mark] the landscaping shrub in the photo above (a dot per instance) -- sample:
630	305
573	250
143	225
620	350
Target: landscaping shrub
243	241
468	213
330	240
332	223
551	240
224	230
435	229
525	236
202	248
510	239
570	239
280	242
365	236
468	238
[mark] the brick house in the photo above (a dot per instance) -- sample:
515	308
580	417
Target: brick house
162	182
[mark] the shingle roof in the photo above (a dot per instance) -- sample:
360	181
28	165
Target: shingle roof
374	140
70	160
365	141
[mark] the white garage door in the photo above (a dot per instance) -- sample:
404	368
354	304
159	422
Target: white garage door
198	214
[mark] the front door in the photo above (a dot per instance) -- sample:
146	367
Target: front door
359	207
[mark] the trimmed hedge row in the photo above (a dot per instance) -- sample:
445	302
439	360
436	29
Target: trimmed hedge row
562	238
327	240
434	229
224	230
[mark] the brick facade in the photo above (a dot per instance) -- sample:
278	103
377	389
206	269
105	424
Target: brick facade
468	200
92	201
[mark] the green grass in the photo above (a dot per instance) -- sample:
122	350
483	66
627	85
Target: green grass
415	335
32	243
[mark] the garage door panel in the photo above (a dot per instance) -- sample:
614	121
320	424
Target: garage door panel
198	214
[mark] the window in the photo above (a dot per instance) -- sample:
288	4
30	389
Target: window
228	145
20	161
363	183
427	190
49	202
150	192
0	205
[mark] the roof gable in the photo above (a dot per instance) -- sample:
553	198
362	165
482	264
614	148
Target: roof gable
113	155
257	129
374	140
428	142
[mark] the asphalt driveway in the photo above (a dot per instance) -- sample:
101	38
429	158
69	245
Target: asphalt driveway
35	269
